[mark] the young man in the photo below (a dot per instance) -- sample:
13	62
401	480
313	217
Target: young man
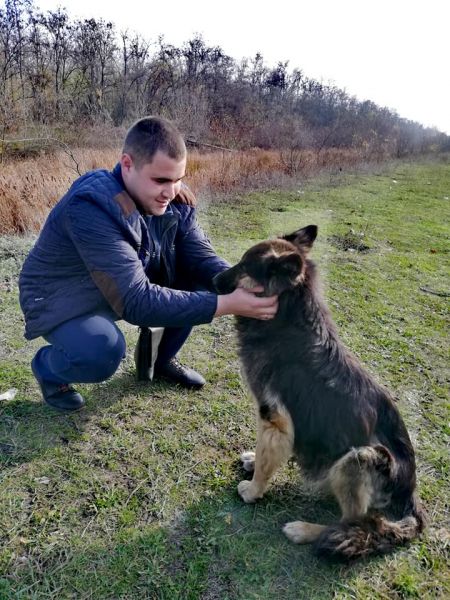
125	245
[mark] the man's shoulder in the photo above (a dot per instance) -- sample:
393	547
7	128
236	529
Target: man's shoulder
186	216
100	195
98	181
184	211
102	189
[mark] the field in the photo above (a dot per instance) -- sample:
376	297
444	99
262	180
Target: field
135	496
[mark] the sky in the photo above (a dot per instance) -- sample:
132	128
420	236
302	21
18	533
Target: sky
393	52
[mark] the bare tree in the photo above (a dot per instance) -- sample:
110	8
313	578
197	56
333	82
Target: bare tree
55	71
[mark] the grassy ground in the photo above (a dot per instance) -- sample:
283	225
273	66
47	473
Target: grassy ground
135	497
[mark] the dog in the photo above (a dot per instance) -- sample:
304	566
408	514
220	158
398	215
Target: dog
317	403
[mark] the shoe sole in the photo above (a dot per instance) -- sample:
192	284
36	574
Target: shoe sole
49	404
61	409
181	385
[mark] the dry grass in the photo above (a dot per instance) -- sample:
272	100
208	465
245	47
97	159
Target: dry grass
30	187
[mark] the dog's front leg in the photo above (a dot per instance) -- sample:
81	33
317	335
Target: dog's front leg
274	446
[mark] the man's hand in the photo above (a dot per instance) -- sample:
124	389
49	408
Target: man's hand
244	303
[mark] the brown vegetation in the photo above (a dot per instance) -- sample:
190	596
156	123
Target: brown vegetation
30	187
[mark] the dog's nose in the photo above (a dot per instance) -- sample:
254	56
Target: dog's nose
220	283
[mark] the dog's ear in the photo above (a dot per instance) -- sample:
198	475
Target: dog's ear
303	238
288	263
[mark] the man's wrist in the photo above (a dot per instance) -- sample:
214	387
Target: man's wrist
223	306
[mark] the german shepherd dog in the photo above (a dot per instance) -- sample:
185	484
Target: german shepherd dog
318	404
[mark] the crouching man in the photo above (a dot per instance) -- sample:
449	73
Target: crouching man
124	245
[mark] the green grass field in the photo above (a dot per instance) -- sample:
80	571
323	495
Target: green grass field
135	497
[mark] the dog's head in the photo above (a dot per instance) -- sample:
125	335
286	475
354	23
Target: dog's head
277	265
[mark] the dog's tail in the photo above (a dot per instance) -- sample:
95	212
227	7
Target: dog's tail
368	535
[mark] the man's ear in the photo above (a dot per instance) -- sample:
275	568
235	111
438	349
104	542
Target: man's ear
303	238
126	161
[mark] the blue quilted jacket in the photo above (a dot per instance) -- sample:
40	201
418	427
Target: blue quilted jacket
96	252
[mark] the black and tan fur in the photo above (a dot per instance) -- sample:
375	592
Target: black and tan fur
316	402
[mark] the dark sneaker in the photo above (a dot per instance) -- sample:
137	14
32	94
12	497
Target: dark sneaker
59	395
175	372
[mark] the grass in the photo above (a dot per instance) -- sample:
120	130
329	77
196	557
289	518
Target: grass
135	497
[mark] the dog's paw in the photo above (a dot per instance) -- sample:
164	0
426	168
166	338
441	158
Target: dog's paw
301	532
246	491
248	461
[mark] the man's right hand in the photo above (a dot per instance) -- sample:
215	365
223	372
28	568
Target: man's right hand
243	302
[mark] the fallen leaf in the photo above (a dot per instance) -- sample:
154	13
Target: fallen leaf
43	480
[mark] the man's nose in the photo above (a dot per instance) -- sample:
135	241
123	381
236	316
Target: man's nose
169	191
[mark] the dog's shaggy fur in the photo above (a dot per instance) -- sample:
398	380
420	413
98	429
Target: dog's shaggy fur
316	402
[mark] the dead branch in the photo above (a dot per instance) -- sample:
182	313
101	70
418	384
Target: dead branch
63	145
428	291
196	143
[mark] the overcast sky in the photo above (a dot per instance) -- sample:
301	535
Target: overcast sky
394	52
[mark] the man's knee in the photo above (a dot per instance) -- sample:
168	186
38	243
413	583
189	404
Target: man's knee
87	349
104	355
100	356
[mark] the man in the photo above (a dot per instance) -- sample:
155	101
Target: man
125	245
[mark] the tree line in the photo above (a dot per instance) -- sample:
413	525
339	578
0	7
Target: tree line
56	71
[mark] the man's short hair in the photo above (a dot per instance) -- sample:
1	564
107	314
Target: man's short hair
150	134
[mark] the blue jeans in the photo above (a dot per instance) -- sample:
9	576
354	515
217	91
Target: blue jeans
89	349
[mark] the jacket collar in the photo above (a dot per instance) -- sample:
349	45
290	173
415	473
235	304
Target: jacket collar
117	172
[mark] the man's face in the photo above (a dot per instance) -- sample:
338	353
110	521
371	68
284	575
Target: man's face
153	185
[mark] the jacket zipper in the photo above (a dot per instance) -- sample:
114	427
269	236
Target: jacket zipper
163	260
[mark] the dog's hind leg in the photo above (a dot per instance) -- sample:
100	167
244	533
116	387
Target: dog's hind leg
350	483
356	479
356	482
274	446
